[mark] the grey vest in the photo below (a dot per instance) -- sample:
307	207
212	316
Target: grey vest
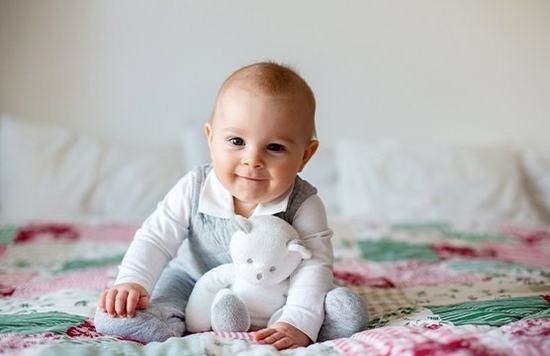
207	245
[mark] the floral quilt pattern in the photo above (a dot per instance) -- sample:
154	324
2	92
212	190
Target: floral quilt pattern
432	289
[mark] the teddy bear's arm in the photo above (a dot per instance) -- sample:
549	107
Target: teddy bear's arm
198	310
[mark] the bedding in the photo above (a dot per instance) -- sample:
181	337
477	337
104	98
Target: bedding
52	172
535	160
396	181
449	245
433	288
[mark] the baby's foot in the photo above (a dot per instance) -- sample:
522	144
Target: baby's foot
345	314
155	323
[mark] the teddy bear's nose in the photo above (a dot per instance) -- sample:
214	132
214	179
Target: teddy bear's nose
259	276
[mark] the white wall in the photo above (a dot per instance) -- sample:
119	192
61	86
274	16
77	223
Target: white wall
137	70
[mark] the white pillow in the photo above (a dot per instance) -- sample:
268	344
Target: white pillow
396	181
48	172
536	164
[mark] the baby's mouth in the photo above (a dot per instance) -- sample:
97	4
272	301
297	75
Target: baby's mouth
254	179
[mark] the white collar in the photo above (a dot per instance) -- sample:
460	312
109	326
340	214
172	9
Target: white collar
217	201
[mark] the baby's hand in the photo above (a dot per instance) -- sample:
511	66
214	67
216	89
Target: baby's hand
282	336
123	299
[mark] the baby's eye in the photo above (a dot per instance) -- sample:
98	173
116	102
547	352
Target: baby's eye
237	141
249	260
275	147
272	269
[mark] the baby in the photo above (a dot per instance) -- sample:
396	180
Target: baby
260	136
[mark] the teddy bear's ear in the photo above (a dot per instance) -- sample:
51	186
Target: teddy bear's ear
243	224
296	245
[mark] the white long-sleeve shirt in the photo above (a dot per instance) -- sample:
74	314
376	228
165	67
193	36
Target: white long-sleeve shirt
160	236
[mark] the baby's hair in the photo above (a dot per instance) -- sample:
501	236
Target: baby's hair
273	79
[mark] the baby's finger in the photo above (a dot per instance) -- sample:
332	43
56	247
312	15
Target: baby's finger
131	302
143	302
101	302
262	334
121	302
110	301
284	343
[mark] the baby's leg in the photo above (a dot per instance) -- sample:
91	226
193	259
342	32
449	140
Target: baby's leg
164	318
345	314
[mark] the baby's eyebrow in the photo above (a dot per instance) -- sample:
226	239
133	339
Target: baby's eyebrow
285	139
281	141
231	131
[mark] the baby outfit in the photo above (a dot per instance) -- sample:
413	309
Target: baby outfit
191	229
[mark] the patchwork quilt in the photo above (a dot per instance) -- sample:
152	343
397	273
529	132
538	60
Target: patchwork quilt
432	289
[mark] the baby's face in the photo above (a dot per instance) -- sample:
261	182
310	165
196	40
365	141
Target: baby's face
258	144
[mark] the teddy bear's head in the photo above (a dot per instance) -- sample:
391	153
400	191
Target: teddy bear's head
266	249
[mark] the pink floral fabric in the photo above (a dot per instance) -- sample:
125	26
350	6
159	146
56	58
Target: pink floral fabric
432	289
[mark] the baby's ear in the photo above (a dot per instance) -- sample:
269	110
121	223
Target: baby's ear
309	152
243	224
296	245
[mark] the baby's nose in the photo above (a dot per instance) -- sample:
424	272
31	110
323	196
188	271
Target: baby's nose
253	158
259	276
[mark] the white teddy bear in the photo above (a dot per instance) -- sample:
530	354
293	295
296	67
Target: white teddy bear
251	290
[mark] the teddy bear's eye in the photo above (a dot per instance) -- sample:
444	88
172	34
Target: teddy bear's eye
249	260
272	269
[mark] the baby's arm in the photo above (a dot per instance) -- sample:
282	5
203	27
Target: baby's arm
304	308
154	244
123	299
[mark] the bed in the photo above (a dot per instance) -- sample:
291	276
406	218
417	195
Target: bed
449	245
